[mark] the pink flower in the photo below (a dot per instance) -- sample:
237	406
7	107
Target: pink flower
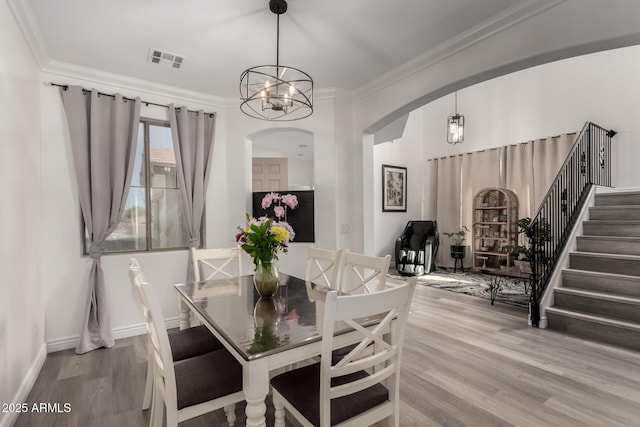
290	200
278	211
241	236
268	199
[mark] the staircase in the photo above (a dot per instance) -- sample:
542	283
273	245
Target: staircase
600	294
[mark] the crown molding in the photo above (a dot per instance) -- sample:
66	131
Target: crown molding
500	22
26	20
139	86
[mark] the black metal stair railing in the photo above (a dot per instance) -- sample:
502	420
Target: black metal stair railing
587	164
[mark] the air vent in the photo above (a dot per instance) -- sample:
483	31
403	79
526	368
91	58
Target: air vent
165	58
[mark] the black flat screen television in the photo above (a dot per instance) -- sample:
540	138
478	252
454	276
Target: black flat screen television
301	218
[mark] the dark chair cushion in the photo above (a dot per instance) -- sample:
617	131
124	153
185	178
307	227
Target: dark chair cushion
192	342
207	377
301	387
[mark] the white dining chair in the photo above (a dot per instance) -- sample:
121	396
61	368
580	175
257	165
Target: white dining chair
191	387
354	390
184	344
216	263
322	267
362	273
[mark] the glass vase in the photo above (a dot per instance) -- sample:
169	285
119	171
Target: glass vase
265	278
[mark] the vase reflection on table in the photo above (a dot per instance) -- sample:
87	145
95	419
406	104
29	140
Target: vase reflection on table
266	315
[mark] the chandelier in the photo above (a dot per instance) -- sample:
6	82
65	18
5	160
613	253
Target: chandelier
276	92
455	126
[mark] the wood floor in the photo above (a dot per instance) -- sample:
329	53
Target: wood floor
466	363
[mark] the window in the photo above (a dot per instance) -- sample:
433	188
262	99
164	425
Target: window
152	217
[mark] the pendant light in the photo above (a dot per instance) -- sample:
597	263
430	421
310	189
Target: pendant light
455	126
276	92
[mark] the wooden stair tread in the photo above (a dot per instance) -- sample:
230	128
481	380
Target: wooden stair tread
603	320
604	275
598	295
606	255
614	238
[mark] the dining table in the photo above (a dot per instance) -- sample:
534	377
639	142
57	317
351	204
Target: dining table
263	334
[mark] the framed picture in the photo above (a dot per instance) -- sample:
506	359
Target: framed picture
394	189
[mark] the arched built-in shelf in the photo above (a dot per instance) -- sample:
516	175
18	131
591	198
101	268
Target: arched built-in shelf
495	220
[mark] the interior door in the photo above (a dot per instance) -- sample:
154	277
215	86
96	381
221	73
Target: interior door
270	173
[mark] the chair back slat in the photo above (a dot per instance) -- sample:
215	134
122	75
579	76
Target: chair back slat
363	273
322	267
158	337
383	342
216	263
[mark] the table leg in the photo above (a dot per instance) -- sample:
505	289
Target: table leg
184	314
255	383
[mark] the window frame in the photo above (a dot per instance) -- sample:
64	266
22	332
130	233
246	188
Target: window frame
146	123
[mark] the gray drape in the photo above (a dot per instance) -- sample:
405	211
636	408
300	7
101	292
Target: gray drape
192	134
103	132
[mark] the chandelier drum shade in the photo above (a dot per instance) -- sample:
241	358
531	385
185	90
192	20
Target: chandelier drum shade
276	92
455	126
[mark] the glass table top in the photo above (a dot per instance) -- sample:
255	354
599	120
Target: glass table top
257	326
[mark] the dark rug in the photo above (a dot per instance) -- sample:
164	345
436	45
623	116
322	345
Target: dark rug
476	284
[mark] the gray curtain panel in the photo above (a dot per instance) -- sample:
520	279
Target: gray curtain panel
103	131
192	134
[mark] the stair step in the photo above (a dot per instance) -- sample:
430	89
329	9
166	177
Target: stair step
629	212
609	244
619	284
618	198
619	307
625	228
605	263
597	328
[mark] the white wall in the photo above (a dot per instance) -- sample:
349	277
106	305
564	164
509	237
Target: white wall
549	100
22	341
406	151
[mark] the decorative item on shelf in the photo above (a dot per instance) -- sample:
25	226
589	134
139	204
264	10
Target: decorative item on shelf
276	92
266	316
263	239
455	126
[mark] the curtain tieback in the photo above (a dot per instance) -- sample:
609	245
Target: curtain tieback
193	243
95	251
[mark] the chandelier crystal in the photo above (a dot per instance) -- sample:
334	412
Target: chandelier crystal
276	92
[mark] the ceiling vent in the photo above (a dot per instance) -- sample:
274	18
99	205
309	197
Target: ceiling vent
165	58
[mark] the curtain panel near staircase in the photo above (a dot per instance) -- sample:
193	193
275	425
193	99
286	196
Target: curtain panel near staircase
192	133
103	131
527	169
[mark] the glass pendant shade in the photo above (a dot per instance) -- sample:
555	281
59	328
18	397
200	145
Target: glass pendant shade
455	129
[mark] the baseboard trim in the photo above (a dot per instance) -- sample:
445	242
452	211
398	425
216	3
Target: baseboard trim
118	333
25	388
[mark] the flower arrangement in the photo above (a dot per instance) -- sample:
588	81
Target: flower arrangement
264	238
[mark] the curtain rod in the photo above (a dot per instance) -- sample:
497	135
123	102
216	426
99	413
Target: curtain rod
496	148
147	103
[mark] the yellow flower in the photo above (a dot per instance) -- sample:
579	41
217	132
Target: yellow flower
280	233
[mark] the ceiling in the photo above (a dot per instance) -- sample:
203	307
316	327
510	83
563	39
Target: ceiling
342	44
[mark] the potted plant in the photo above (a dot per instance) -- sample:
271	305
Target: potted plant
457	239
522	253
